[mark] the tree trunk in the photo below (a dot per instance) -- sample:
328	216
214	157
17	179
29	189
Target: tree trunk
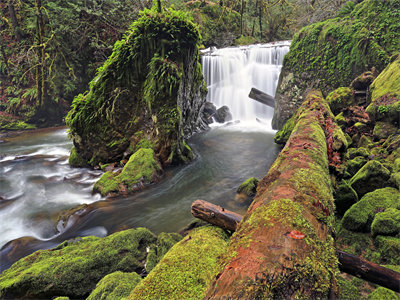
283	248
350	264
260	2
262	97
14	20
241	16
41	68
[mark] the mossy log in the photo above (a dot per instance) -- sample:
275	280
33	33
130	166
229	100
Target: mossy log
283	247
348	263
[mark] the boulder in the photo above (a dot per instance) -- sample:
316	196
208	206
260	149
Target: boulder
209	111
117	285
355	164
74	267
389	249
340	98
344	197
382	293
364	142
382	130
373	175
362	82
386	223
360	215
223	115
249	187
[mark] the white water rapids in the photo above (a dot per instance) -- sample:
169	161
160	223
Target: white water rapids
230	73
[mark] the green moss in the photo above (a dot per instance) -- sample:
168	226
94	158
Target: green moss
386	223
347	290
341	120
249	187
141	168
356	164
382	293
117	285
352	242
389	248
187	269
382	130
344	197
361	151
283	135
75	266
388	81
164	242
245	40
395	268
373	175
61	298
340	98
395	179
360	216
365	142
75	160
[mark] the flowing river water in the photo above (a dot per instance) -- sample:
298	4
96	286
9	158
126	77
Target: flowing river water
37	185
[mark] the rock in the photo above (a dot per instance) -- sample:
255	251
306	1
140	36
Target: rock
187	269
395	179
164	242
117	285
347	290
341	120
360	215
75	160
223	115
389	249
383	130
355	164
142	168
364	142
362	82
382	293
209	111
340	98
249	187
373	175
354	152
74	267
344	197
283	135
386	223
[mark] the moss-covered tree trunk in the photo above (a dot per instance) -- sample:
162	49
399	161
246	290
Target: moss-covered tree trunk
283	248
41	65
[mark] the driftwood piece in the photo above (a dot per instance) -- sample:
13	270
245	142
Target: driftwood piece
350	264
262	97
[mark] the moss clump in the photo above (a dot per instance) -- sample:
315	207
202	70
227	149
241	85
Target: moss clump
61	298
340	98
187	269
382	293
249	187
382	130
386	223
360	216
11	123
75	266
117	285
352	242
356	164
361	151
164	242
283	135
345	196
373	175
388	81
142	168
75	160
389	249
347	290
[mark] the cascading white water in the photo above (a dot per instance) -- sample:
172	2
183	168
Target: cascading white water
230	73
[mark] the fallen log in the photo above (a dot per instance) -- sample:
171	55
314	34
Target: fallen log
348	263
262	97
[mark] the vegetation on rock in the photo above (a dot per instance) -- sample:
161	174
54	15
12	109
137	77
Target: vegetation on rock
249	187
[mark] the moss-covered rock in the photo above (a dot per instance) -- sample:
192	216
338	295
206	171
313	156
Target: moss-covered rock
330	54
347	290
142	168
356	164
340	98
352	242
187	269
360	216
249	187
283	134
362	82
382	130
389	249
395	179
75	160
373	175
364	141
382	293
74	267
12	123
361	151
117	285
387	222
164	242
151	87
344	197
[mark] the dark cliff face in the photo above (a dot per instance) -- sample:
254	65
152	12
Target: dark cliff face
148	94
330	54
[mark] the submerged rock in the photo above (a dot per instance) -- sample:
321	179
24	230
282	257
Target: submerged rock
223	114
74	267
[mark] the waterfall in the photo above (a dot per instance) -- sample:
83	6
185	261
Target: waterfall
230	73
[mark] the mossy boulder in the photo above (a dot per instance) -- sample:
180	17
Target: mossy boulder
12	123
347	290
382	130
362	82
283	134
387	222
142	168
249	187
164	242
344	197
187	269
151	87
75	160
340	98
361	151
330	54
389	249
395	179
74	267
365	142
373	175
356	164
382	293
117	285
360	216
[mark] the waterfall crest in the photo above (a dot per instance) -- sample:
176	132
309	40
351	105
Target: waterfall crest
230	73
